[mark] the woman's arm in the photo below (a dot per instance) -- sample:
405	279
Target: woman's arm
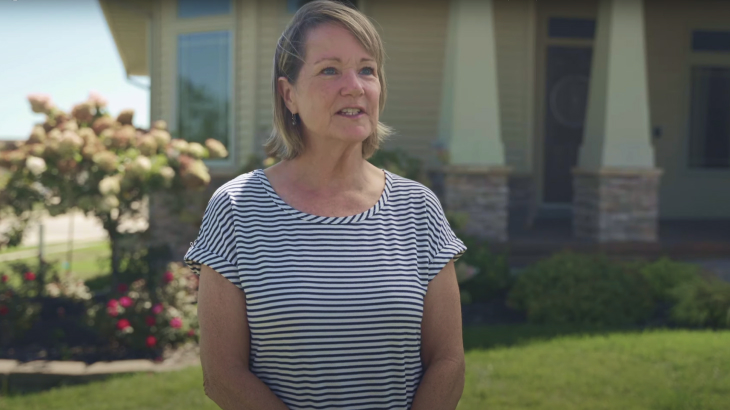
224	347
442	346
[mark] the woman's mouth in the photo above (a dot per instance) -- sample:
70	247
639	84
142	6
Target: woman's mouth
351	112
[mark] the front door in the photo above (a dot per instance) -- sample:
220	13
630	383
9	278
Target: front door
566	99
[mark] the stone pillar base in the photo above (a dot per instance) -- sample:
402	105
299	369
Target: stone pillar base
616	205
482	194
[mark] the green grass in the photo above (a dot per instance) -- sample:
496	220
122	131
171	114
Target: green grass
508	367
159	391
88	262
655	370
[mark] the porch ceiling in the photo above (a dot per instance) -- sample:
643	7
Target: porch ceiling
128	24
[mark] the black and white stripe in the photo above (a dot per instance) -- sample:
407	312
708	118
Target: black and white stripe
334	304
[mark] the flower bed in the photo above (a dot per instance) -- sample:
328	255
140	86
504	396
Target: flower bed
140	320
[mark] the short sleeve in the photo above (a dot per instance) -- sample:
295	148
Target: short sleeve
215	245
444	245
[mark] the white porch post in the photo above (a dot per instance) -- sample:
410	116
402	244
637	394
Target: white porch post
476	176
616	181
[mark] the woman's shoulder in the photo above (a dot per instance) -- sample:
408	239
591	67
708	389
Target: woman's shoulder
239	188
413	190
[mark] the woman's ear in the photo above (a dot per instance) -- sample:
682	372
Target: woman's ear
286	91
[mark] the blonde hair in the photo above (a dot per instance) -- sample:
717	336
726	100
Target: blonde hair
285	141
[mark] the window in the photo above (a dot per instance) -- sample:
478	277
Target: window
294	5
716	41
202	8
204	88
559	27
709	119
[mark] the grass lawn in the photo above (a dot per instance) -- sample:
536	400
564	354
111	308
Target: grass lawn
87	262
510	367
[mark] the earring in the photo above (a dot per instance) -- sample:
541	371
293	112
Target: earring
293	119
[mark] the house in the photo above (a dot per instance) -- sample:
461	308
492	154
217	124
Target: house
611	113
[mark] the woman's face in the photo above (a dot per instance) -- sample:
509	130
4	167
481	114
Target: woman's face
337	92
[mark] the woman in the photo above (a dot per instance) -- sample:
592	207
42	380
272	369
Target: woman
326	282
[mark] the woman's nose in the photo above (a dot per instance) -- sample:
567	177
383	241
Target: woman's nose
352	84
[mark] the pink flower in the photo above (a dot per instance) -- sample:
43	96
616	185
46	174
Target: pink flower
123	324
112	308
30	276
168	277
96	99
176	322
151	341
150	320
4	278
157	309
125	301
122	288
3	310
191	332
40	103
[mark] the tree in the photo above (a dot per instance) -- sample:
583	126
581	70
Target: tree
102	165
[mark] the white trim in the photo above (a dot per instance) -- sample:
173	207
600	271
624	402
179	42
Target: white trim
206	24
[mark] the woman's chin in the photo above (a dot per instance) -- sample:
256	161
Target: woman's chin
354	134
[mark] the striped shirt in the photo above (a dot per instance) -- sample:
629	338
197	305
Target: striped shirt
334	304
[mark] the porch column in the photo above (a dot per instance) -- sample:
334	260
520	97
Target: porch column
476	176
616	181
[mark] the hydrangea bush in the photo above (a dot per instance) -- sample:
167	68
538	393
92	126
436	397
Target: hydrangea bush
100	164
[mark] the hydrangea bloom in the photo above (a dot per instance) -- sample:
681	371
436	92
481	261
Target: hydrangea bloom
35	165
215	148
109	186
40	103
97	100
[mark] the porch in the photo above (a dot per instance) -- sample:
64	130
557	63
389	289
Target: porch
689	240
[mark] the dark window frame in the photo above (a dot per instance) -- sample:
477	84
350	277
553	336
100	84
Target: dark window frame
229	136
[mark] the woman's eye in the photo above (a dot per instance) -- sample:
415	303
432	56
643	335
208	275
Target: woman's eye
369	70
329	70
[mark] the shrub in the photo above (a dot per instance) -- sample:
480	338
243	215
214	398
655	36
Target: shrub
102	165
701	303
18	307
484	275
664	275
571	288
144	319
400	163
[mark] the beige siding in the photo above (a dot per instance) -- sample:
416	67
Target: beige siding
272	19
414	33
156	96
246	77
514	35
684	192
167	64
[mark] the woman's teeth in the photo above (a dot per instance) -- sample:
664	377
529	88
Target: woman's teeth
350	111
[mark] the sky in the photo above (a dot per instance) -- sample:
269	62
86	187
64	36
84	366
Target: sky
62	48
